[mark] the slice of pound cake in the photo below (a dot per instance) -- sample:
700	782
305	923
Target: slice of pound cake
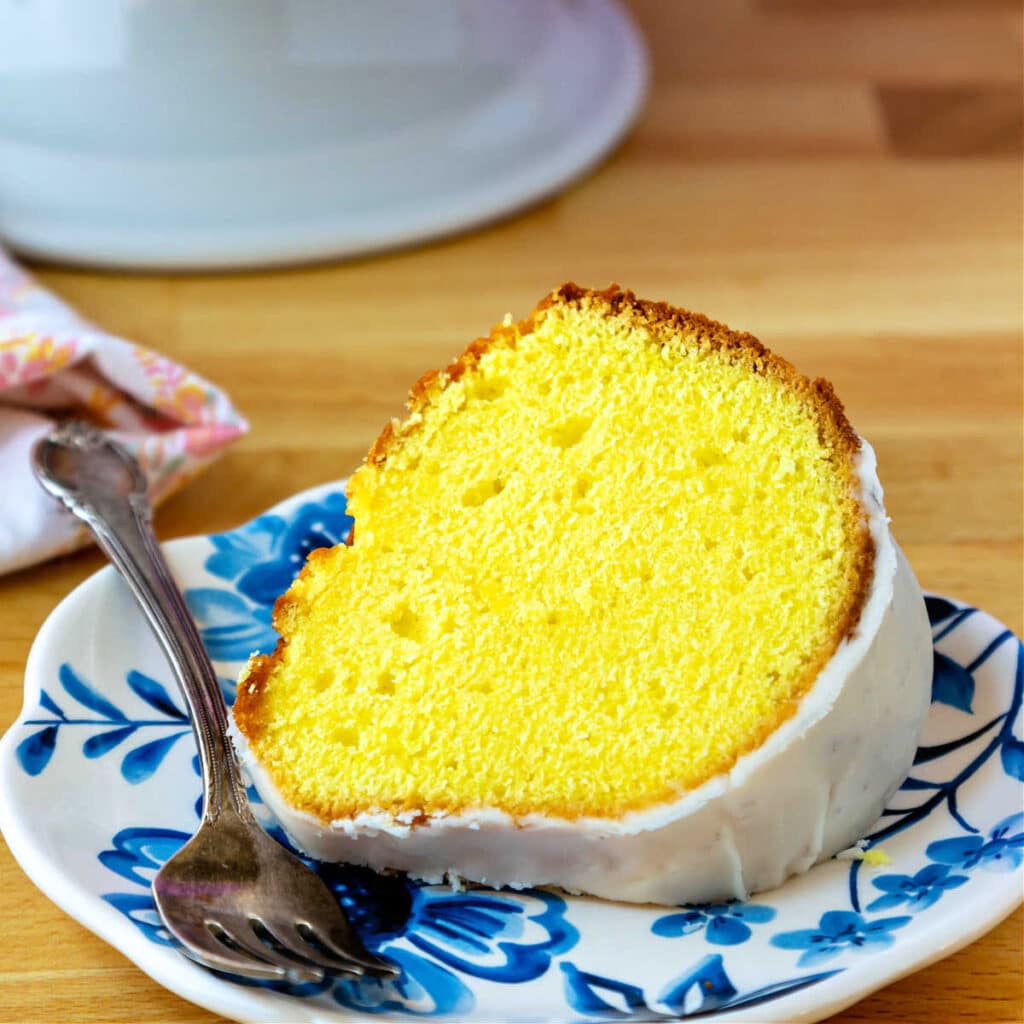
621	613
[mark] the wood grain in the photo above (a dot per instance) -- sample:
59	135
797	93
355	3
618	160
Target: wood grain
842	179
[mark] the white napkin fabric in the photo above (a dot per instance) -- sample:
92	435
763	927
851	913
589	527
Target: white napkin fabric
54	364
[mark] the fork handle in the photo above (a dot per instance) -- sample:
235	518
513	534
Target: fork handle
110	498
124	531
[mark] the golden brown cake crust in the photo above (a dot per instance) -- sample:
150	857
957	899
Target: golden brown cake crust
670	325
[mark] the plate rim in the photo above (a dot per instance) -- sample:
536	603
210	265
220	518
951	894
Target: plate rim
956	929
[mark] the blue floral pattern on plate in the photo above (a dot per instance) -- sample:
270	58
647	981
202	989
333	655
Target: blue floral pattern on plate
918	892
533	955
723	924
1001	850
260	560
839	930
509	938
108	726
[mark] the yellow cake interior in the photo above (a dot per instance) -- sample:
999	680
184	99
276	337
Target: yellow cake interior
587	575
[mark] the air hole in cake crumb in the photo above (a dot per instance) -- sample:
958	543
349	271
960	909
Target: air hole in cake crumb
323	680
482	491
552	618
570	432
707	456
345	735
645	574
710	543
487	390
583	508
386	683
748	574
582	486
407	624
741	436
544	387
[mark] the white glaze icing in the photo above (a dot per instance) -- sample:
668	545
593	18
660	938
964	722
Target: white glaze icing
812	788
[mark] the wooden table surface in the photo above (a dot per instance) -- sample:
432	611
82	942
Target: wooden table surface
841	179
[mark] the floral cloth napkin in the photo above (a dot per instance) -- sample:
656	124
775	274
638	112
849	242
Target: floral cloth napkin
55	364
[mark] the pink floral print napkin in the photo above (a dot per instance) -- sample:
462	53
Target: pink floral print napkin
54	364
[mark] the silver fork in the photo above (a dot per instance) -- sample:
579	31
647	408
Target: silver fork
234	898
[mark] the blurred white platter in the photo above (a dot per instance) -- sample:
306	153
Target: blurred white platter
184	134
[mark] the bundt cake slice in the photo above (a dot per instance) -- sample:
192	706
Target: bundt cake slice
621	613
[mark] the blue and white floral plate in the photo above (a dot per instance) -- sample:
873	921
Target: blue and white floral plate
99	785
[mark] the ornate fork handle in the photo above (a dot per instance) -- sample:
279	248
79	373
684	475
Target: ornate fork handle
102	485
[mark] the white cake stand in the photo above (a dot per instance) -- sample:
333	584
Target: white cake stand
189	134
